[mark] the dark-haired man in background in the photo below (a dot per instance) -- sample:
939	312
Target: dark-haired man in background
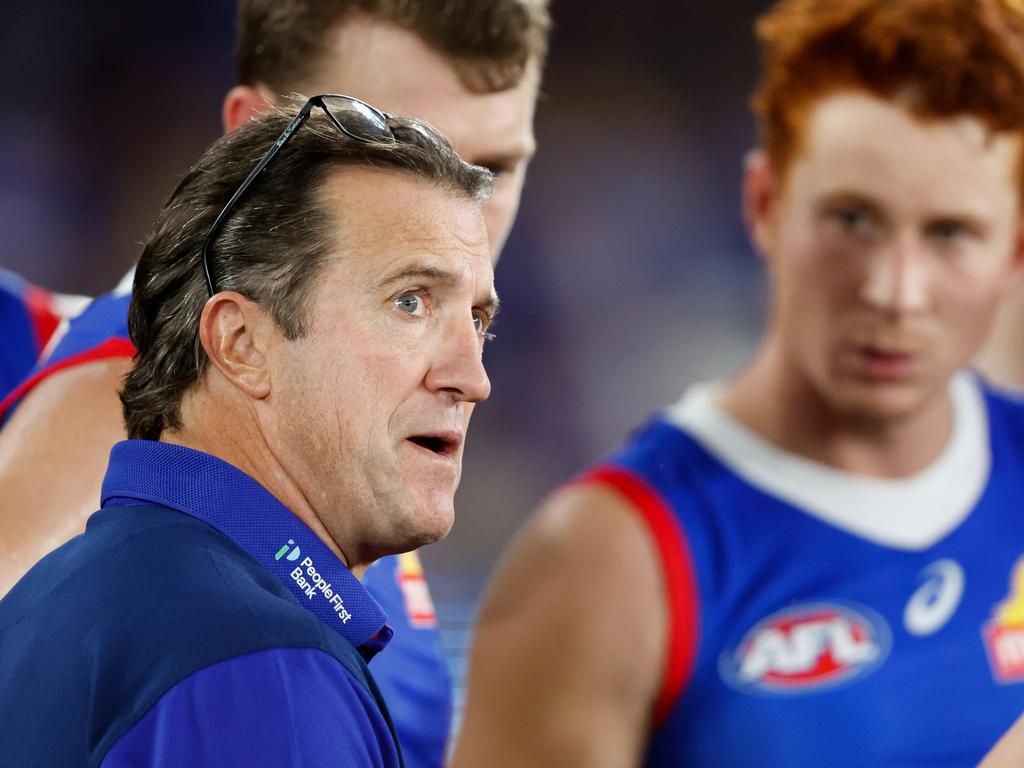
472	69
308	358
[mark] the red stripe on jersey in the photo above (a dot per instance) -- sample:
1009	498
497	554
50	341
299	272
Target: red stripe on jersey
44	317
677	570
109	349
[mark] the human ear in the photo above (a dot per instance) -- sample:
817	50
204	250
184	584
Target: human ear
241	104
760	200
235	333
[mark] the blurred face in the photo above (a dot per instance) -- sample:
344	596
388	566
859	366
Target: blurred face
370	408
890	243
395	71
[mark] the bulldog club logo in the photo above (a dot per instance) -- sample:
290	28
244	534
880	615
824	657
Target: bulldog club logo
807	647
418	604
1004	633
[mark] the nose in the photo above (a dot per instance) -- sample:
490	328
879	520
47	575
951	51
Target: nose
458	366
897	278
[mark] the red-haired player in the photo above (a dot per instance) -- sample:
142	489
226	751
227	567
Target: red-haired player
816	562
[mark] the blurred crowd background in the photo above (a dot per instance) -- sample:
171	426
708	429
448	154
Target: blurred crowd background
627	277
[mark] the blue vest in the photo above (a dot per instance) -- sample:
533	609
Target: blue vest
820	618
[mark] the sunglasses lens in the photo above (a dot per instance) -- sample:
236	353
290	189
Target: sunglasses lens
415	132
357	119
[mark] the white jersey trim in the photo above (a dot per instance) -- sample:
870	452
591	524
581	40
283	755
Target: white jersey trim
911	513
70	307
124	286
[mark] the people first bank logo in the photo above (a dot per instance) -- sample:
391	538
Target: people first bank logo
807	647
310	582
292	556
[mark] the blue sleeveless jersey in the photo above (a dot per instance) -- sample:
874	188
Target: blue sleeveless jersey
27	318
98	332
820	618
412	675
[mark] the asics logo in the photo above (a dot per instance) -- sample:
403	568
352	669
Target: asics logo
934	602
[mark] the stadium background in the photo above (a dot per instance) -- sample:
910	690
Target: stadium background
627	277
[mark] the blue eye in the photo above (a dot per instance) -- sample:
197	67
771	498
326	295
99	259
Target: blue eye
411	304
482	321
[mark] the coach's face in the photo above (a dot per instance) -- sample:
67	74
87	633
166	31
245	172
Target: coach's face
369	409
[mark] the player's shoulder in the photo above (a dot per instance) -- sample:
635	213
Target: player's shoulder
674	435
104	322
590	542
660	469
12	284
586	516
46	310
1003	401
583	563
83	331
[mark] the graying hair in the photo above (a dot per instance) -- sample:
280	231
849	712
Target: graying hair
275	243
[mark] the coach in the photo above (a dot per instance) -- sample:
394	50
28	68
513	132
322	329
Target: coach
309	313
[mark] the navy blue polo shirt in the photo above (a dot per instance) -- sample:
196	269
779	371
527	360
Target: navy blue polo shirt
196	622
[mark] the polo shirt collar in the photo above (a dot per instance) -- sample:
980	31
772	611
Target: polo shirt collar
226	498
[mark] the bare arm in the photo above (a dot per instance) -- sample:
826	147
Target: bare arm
1009	751
53	452
570	646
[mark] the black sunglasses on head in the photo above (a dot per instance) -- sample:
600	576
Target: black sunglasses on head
354	118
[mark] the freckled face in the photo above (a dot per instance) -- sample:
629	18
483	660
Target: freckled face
890	246
372	405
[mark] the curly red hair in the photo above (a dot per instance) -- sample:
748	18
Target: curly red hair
949	57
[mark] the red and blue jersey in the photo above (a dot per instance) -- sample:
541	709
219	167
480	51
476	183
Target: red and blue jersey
823	618
97	332
412	675
28	318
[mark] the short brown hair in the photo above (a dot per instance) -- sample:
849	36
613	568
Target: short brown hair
951	57
489	42
271	249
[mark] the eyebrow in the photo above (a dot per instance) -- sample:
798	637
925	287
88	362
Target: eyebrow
431	274
507	159
970	217
443	277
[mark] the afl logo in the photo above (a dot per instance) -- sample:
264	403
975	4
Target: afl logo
807	647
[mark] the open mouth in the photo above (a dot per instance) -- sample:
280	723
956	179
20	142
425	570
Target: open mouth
437	444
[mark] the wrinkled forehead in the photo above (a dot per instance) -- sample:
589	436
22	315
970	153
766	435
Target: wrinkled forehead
378	215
